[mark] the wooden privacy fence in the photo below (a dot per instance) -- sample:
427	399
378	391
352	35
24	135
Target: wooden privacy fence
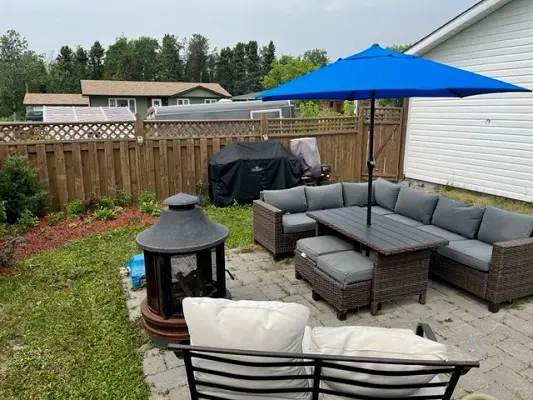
79	160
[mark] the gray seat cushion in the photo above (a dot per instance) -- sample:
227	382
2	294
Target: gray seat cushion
404	220
356	194
320	245
346	267
416	204
443	233
293	223
381	211
500	226
473	253
457	217
287	200
324	197
386	193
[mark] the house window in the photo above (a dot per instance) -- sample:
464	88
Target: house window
117	102
183	102
210	101
157	102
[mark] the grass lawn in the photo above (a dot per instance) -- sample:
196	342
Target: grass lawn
64	328
482	199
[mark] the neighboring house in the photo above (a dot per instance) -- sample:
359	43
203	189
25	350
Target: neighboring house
140	96
246	97
482	143
36	101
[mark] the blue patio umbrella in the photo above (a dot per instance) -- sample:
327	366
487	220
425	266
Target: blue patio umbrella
380	73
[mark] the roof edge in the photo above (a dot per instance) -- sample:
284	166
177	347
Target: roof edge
457	24
203	88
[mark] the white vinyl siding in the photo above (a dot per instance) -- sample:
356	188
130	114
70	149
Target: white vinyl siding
482	143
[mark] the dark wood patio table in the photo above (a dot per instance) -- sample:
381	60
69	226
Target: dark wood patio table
400	253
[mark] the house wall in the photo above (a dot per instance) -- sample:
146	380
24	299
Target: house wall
482	143
142	103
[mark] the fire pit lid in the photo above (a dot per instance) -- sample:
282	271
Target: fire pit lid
182	228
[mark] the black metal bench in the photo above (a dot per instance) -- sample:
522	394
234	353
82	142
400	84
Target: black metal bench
448	371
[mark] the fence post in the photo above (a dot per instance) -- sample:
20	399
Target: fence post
403	137
359	143
264	126
140	139
139	129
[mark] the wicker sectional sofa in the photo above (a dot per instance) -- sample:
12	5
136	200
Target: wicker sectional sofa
490	251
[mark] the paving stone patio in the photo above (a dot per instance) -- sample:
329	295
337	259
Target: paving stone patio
502	342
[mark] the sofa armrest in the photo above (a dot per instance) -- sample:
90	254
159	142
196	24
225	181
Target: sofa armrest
510	274
511	255
268	226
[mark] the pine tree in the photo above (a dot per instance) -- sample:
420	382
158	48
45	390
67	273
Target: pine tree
253	67
80	61
197	54
224	69
146	52
211	66
170	59
268	56
240	85
95	63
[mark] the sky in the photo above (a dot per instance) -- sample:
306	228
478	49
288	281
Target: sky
342	27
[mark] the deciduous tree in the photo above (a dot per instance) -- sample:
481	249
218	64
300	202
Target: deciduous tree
318	57
20	69
286	69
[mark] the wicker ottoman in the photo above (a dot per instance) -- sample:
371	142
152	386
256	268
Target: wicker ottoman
344	280
309	249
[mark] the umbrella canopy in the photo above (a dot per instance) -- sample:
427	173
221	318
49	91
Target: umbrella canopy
380	73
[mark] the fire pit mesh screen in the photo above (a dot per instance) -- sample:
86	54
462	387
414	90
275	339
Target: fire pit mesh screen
191	280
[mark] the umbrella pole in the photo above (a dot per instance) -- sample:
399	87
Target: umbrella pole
370	164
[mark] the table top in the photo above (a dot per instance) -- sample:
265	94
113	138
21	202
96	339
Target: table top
385	235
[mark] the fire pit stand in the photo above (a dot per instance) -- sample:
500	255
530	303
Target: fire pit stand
184	257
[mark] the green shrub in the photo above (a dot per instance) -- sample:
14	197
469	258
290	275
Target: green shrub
3	216
75	208
105	214
2	229
121	198
55	218
20	189
8	245
27	221
148	204
147	197
107	203
91	204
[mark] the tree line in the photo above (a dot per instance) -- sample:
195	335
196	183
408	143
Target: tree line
243	68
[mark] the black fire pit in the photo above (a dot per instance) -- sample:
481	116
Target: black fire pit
184	257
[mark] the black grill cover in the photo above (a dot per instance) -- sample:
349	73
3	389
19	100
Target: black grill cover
241	170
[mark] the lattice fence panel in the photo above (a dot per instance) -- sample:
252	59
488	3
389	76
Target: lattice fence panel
181	129
311	125
22	132
385	114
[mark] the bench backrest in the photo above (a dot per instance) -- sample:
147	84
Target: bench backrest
311	382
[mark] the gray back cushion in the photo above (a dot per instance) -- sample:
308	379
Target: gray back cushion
287	200
501	226
416	204
324	197
386	193
356	194
457	217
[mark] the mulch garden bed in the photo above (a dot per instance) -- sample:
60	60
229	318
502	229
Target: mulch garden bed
45	237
